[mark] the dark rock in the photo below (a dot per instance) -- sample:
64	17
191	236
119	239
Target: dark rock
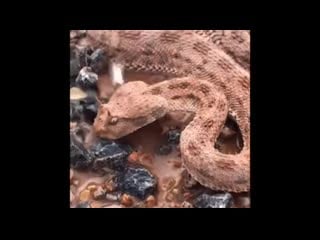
213	201
87	79
80	158
89	109
174	137
111	155
76	111
85	109
138	182
98	61
74	64
83	205
165	149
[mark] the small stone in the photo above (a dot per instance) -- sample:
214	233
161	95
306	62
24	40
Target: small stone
133	157
75	111
186	204
80	158
98	60
213	201
175	191
83	205
111	155
92	187
126	200
138	182
151	201
174	137
112	197
71	174
85	195
165	149
99	193
87	79
77	94
89	109
75	182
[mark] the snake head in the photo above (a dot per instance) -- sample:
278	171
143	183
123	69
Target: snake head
128	110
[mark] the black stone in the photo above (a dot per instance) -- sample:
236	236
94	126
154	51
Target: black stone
138	182
98	61
87	79
165	149
111	155
80	158
174	137
213	201
89	109
76	111
85	109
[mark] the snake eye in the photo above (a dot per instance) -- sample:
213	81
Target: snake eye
113	120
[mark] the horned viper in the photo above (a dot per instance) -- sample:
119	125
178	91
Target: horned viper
206	81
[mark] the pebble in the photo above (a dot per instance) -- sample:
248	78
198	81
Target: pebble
186	204
133	157
174	137
165	149
138	182
151	201
80	158
213	201
112	197
85	195
126	200
92	187
111	155
87	79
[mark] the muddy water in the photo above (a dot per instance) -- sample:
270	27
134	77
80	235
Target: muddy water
147	141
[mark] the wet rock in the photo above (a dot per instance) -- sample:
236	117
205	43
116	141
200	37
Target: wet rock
138	182
76	111
87	79
186	204
89	109
85	109
74	65
113	197
213	201
80	158
111	155
174	137
165	149
84	205
85	195
151	201
98	61
126	200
